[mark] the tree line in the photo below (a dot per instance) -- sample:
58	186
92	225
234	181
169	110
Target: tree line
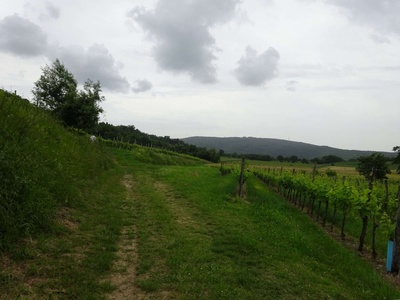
327	159
132	135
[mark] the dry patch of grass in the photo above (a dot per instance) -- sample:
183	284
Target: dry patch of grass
123	274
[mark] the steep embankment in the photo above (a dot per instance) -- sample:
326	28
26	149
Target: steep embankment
42	167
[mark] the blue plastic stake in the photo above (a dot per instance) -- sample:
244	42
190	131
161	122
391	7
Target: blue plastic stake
389	256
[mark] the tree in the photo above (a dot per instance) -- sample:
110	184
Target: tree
373	165
316	160
304	161
83	111
331	159
55	87
56	91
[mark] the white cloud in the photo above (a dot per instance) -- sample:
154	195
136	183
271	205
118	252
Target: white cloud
181	34
254	69
21	37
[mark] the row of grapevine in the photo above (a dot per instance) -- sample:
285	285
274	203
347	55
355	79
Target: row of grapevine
241	171
325	196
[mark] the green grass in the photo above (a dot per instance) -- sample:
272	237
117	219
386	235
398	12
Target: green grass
67	263
198	241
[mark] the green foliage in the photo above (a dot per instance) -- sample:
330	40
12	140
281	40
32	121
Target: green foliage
42	167
83	110
226	169
330	159
55	87
373	165
331	173
56	91
350	198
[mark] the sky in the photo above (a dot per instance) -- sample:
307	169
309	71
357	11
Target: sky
324	72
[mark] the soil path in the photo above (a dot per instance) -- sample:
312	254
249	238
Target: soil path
123	275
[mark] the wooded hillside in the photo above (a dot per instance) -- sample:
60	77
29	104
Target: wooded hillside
274	147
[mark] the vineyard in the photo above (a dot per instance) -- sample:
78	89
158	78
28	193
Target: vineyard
366	209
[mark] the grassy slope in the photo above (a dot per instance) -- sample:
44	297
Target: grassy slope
55	199
42	167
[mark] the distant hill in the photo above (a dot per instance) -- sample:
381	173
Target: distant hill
275	147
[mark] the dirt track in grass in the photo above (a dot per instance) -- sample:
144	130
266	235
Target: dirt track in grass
123	275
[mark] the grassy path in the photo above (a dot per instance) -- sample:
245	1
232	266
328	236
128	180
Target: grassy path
123	272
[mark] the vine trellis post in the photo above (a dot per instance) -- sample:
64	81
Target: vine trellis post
241	180
396	246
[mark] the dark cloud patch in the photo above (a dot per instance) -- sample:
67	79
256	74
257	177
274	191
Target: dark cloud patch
95	63
381	15
51	11
255	69
141	85
21	37
181	34
380	39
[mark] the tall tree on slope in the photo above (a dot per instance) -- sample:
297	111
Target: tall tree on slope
56	90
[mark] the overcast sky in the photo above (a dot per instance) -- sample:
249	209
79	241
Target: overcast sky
325	72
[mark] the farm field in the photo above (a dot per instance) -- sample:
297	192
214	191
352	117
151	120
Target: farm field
179	232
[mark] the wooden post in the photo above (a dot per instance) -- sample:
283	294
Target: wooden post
241	179
314	171
396	246
366	217
386	202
